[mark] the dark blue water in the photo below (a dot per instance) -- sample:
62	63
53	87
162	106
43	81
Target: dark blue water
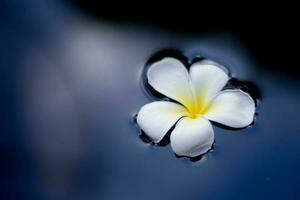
70	86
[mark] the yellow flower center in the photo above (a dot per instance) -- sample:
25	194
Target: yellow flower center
198	108
197	105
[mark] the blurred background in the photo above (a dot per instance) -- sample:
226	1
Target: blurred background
71	83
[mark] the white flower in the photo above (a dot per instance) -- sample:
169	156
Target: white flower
200	98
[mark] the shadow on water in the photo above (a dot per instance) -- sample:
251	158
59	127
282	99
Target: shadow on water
199	157
246	86
164	142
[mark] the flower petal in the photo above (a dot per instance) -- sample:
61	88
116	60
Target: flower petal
156	118
208	79
192	137
233	108
170	77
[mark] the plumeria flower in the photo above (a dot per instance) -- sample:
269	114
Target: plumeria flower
198	98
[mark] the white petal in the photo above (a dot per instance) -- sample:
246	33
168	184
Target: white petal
233	108
156	118
208	79
170	77
192	137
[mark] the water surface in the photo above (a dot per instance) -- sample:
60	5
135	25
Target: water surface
76	85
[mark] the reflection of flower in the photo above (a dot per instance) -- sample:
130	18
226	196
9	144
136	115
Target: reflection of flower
200	99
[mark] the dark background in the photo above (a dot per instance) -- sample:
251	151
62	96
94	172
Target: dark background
66	134
268	29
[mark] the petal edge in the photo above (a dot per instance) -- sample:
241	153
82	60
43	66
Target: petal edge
192	137
208	79
156	118
170	77
232	107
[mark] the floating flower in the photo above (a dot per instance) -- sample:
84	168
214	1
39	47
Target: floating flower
199	99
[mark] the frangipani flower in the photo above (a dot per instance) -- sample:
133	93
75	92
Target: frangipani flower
200	100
